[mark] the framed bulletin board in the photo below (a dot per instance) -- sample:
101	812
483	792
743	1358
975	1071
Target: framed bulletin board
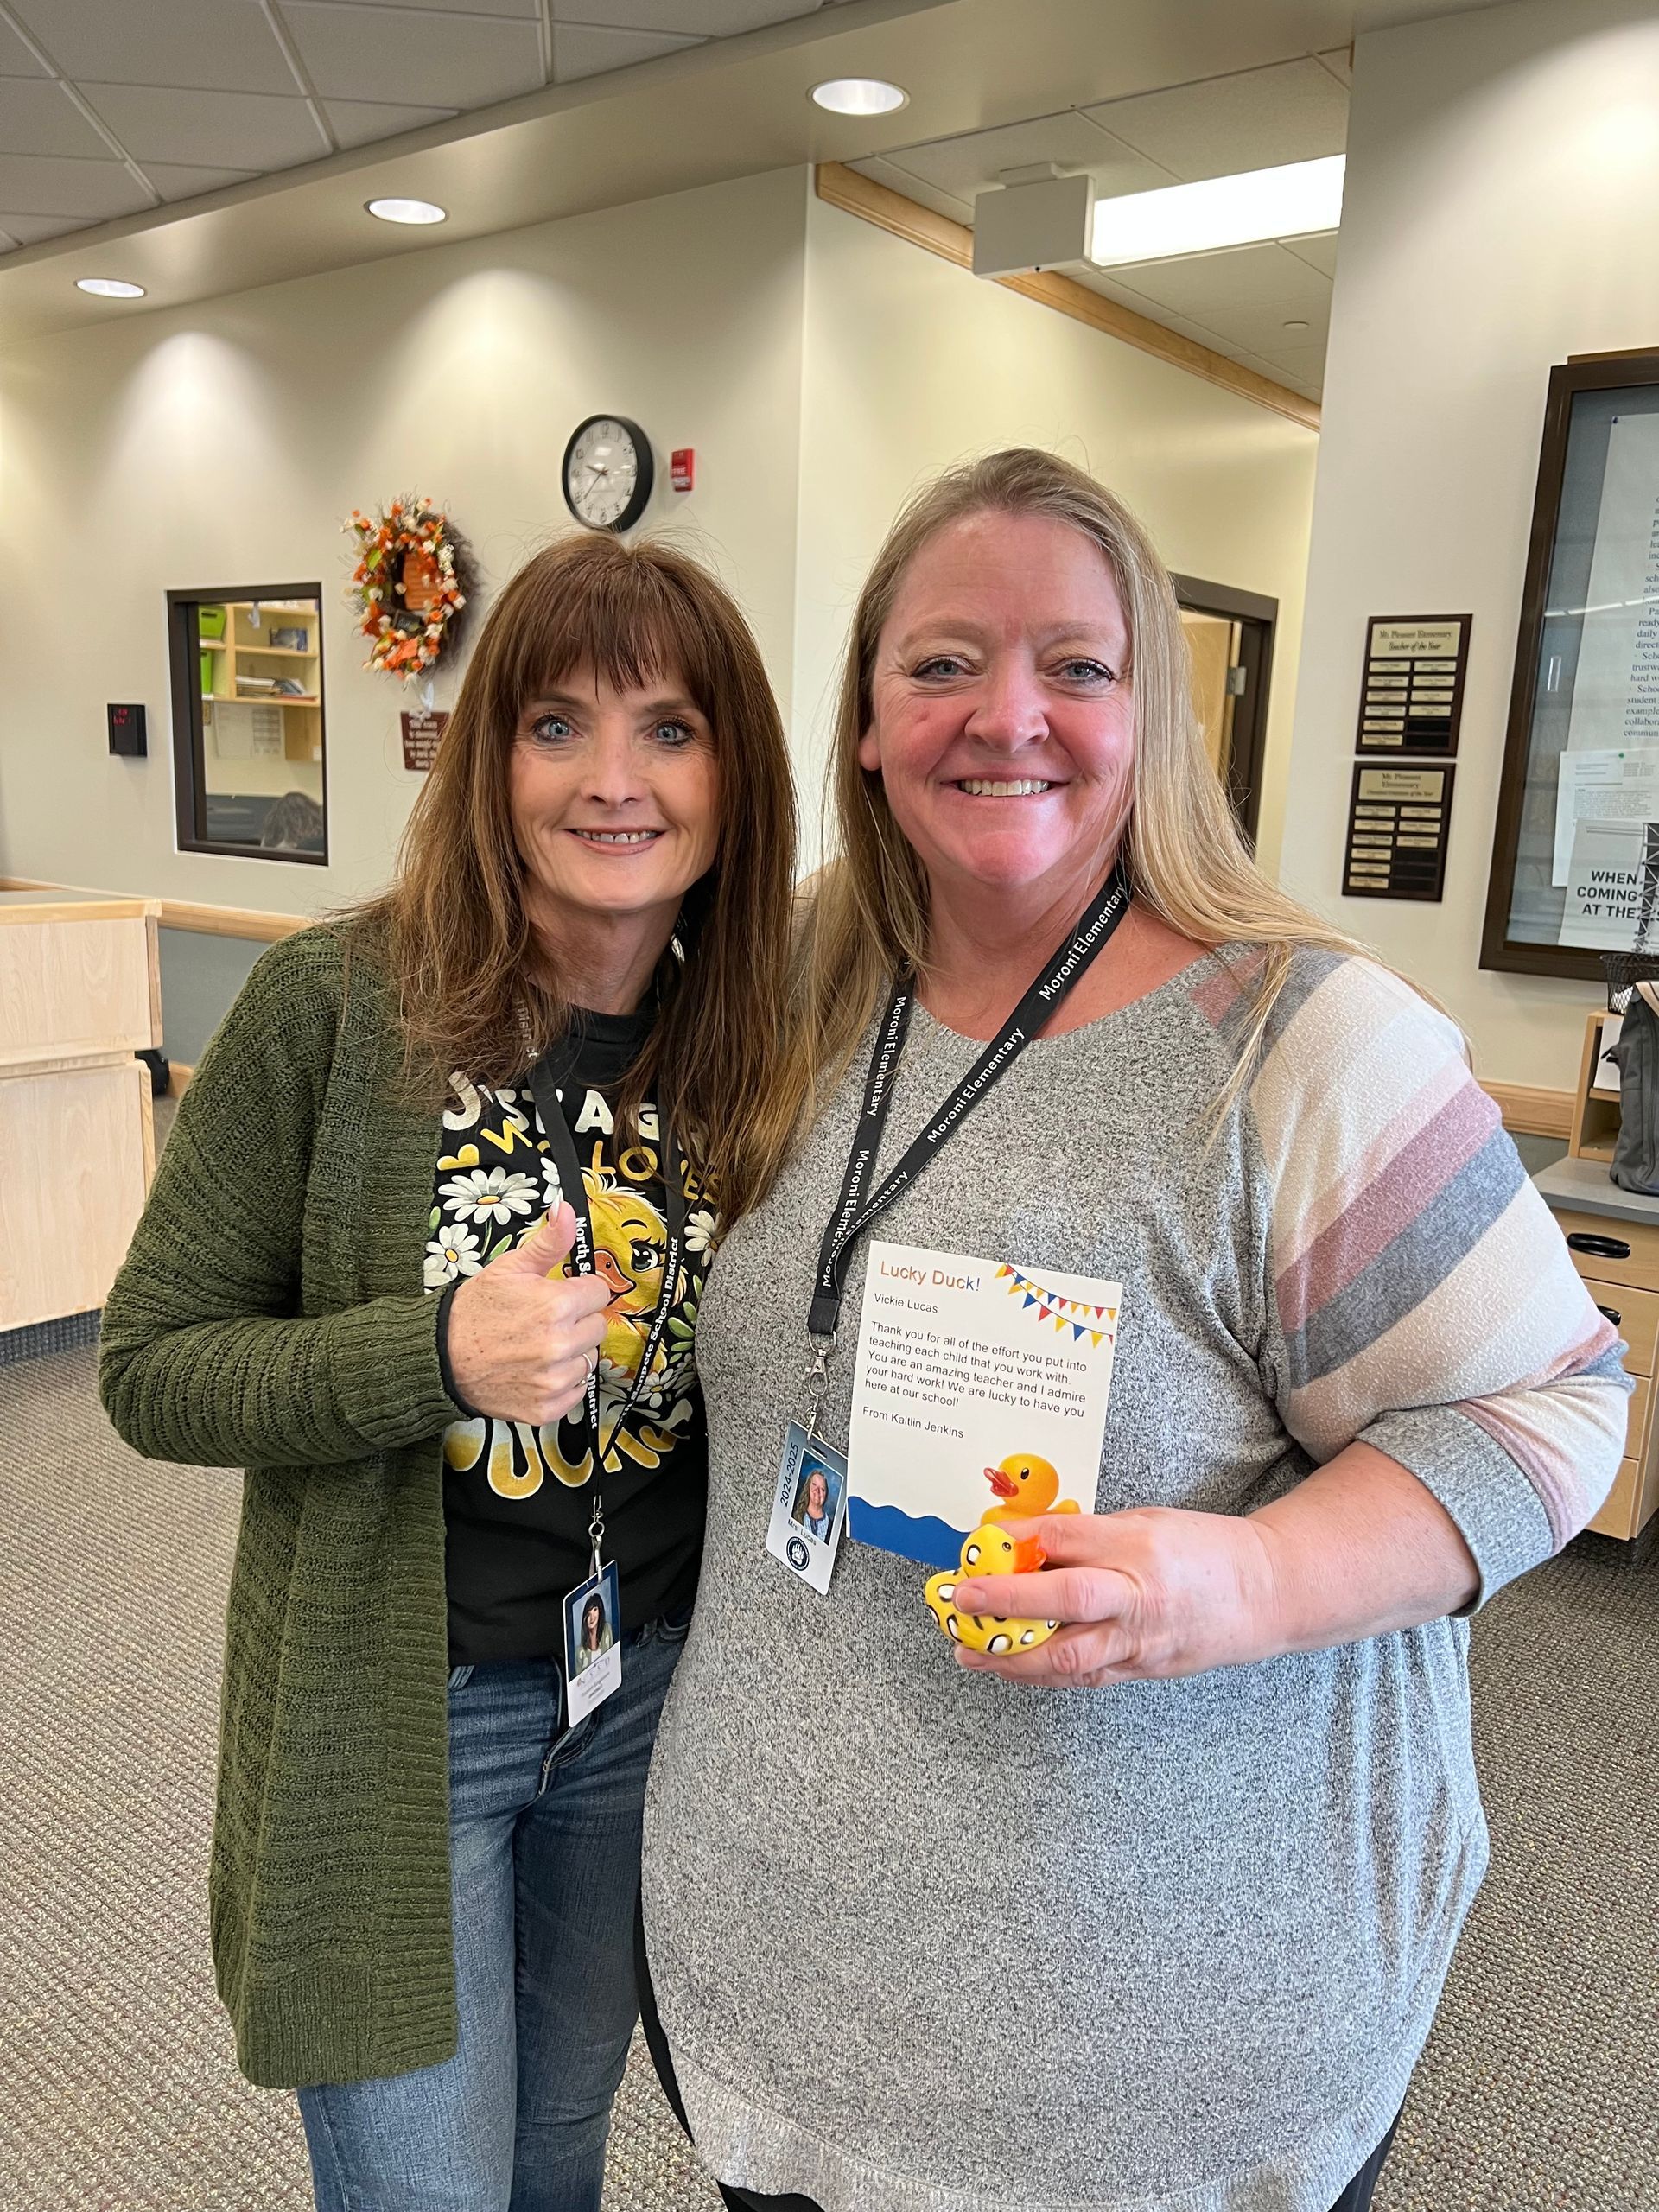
1575	855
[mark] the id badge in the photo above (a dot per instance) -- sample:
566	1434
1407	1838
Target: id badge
593	1645
808	1508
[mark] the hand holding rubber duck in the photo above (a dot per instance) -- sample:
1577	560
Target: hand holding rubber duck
1152	1592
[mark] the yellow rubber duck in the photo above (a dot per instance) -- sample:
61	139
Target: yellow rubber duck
988	1550
1024	1485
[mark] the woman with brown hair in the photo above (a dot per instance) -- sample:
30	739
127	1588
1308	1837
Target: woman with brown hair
1152	1914
424	1254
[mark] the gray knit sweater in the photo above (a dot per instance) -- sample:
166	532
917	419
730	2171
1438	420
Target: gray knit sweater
1219	1911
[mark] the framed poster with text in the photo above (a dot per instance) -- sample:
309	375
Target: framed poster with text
1580	782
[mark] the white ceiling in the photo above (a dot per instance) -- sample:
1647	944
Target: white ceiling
112	107
1267	306
202	147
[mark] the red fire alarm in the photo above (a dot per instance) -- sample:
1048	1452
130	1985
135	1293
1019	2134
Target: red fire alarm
682	467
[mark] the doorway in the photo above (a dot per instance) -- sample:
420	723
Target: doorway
1230	637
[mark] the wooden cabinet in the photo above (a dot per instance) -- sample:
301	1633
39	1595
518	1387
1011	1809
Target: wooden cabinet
79	997
1613	1236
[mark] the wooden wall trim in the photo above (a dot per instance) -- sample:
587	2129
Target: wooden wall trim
843	187
231	921
174	914
1530	1110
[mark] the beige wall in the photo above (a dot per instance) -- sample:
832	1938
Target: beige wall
817	366
1501	211
911	363
228	442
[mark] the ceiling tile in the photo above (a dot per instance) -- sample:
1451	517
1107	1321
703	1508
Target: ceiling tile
1263	328
181	182
590	49
29	230
360	123
211	45
16	60
1305	363
38	117
973	162
36	184
881	171
1208	286
368	52
1339	61
686	18
1293	111
208	129
1319	251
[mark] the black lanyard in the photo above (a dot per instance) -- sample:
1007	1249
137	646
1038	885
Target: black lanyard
854	1211
545	1078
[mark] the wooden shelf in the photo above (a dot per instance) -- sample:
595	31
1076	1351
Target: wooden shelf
278	653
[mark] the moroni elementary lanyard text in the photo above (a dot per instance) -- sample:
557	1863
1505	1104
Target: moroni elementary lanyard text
855	1211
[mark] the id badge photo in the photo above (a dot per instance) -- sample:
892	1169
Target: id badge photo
808	1508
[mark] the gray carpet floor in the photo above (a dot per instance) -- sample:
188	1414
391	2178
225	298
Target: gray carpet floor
1539	2093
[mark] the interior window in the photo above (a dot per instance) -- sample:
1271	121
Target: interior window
249	750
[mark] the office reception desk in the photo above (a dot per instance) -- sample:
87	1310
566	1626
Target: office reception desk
79	997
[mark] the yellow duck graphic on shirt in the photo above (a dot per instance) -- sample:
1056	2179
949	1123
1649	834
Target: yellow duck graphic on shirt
988	1550
629	1252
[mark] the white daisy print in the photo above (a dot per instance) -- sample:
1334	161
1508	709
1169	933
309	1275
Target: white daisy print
488	1195
453	1252
552	1189
699	1230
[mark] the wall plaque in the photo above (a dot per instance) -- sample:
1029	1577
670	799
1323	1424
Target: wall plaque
421	735
1411	700
1397	824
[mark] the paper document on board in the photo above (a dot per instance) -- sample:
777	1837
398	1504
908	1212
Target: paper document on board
980	1390
1605	787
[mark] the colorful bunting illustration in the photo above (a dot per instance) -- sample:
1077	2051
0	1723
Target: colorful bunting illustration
1052	1306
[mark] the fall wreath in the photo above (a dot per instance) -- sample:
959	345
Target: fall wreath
411	586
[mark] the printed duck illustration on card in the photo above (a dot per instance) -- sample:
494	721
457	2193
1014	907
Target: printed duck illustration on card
980	1393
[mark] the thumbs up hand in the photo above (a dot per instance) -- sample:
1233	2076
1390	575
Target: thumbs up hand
522	1337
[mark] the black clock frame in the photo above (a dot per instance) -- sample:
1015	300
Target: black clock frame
643	482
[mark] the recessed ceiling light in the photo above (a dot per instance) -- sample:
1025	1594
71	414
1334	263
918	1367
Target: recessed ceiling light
1290	202
859	96
109	288
1296	323
408	211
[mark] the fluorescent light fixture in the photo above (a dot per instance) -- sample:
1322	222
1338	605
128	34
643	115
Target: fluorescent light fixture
407	211
1244	210
859	96
109	288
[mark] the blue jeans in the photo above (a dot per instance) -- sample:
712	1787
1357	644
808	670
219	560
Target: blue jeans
544	1856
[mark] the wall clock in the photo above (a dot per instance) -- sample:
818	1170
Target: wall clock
608	472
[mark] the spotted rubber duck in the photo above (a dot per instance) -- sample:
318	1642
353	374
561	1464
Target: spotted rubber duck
988	1550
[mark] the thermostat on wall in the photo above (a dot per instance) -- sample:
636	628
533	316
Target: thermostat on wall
127	732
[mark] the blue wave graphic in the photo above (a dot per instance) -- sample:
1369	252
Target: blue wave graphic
929	1540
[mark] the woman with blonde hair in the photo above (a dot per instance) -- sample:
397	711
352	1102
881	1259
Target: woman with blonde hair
1152	1915
424	1254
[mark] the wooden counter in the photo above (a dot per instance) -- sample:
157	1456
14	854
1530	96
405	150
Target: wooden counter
1613	1236
79	995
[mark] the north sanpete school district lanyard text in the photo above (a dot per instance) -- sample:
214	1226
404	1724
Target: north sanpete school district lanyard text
545	1078
854	1211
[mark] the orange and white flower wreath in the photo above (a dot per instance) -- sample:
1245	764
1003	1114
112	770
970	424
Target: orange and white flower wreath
409	586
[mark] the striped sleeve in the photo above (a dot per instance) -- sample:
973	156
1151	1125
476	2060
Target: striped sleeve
1420	1295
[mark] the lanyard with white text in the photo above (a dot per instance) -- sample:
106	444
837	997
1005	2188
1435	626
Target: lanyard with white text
546	1078
854	1211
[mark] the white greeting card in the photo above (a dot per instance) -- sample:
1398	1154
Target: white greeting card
980	1390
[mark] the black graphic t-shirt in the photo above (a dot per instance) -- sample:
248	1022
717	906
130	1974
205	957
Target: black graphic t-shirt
518	1499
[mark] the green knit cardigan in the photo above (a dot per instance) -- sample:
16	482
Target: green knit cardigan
271	1315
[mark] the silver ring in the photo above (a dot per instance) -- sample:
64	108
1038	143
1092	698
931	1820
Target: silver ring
590	1363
